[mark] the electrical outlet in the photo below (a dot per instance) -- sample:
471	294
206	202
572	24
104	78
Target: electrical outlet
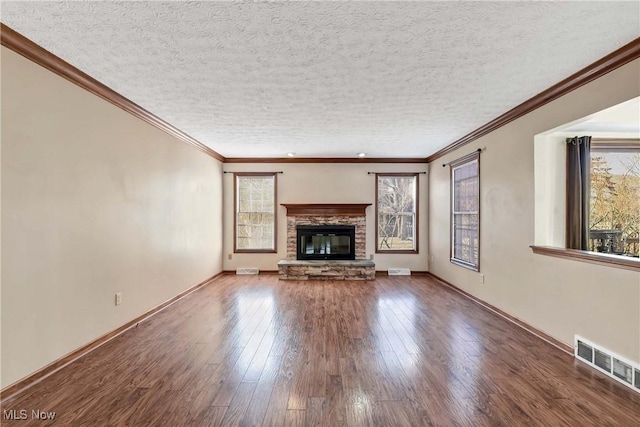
370	256
118	298
229	256
482	278
430	258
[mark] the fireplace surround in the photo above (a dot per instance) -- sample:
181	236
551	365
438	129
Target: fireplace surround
326	214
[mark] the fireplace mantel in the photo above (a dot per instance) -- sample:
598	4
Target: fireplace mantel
326	209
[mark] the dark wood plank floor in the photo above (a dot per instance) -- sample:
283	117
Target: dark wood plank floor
252	350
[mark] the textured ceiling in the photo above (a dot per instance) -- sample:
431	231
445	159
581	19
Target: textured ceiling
327	79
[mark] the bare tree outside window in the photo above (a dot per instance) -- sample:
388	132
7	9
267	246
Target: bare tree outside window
614	211
396	210
255	215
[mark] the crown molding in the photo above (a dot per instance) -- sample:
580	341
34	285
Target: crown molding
18	43
608	63
322	160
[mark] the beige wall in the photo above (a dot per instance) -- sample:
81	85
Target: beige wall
550	194
324	183
94	202
561	297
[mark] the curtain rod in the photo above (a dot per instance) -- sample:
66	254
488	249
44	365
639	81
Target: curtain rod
395	173
479	150
258	173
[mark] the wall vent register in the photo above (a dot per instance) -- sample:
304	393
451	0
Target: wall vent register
618	368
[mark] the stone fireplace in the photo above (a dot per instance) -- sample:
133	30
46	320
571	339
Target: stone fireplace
326	216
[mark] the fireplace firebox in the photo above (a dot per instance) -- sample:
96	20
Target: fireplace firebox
326	242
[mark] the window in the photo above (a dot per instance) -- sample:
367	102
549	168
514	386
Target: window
585	206
614	209
465	211
255	212
396	212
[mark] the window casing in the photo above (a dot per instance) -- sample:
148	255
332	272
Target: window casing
397	213
465	212
255	212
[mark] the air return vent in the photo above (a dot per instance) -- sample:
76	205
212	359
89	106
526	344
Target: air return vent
618	368
399	272
247	270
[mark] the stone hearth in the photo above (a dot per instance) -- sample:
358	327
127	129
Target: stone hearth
326	270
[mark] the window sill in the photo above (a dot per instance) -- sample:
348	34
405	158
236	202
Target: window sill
397	251
615	261
255	251
465	264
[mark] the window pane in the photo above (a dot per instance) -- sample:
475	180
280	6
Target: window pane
614	217
465	227
465	237
396	207
255	212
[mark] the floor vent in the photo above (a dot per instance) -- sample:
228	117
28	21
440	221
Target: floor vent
247	270
618	368
399	272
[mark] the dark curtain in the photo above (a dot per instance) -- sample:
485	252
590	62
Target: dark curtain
578	191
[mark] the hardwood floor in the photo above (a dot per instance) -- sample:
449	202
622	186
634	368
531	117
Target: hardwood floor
253	350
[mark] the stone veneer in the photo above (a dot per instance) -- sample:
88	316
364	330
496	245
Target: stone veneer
327	270
358	221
